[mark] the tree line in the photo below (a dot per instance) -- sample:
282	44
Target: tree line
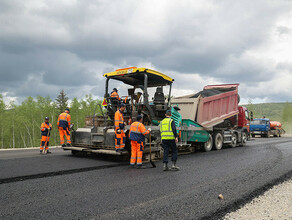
20	124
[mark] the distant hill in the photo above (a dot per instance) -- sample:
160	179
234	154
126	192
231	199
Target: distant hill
281	112
272	111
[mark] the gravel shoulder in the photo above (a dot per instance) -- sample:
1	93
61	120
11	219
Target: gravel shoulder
276	203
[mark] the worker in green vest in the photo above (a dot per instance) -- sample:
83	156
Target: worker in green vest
169	139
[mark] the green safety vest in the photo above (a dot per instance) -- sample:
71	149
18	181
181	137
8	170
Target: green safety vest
166	130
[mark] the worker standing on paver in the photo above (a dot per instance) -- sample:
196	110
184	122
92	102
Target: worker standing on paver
64	122
46	127
169	139
137	137
114	94
120	137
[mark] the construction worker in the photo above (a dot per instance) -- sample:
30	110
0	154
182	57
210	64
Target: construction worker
120	137
137	137
64	122
46	127
169	139
114	94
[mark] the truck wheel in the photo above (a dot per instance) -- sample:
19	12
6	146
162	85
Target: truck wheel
253	135
209	144
243	139
268	134
218	141
233	140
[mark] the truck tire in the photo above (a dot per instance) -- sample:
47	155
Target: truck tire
209	144
218	141
253	135
233	140
243	139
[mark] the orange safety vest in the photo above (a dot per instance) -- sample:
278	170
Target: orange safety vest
119	120
44	128
138	132
115	95
64	120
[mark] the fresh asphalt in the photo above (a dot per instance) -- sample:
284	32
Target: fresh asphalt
63	186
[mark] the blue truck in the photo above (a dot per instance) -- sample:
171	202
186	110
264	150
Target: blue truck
265	128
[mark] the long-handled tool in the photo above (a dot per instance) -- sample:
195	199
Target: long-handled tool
152	163
44	149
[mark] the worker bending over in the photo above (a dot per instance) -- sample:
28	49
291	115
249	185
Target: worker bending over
137	137
120	137
64	122
169	139
46	127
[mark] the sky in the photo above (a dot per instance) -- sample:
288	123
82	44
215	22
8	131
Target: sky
46	46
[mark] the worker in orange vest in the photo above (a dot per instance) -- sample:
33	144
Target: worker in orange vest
114	94
64	122
137	137
46	127
120	137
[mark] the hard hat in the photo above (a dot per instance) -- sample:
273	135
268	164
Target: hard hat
122	105
115	89
67	109
46	118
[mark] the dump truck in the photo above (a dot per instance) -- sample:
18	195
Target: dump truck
265	128
216	109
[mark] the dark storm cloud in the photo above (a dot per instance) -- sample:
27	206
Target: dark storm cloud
50	45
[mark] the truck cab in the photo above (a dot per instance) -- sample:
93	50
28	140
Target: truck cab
244	118
260	126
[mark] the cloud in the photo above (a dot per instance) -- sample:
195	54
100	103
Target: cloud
47	46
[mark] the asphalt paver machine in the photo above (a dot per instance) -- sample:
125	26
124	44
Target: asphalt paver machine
98	135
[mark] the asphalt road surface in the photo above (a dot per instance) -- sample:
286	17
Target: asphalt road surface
63	186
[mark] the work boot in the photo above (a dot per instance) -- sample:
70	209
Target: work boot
174	167
68	145
49	152
132	166
41	151
141	167
165	167
63	145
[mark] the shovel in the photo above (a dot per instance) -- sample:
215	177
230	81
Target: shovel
152	163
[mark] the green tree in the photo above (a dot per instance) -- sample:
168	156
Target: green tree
62	101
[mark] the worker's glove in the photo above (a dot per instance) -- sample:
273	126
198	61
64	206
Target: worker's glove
149	129
119	131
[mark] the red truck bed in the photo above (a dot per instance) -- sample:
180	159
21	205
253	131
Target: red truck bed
211	106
